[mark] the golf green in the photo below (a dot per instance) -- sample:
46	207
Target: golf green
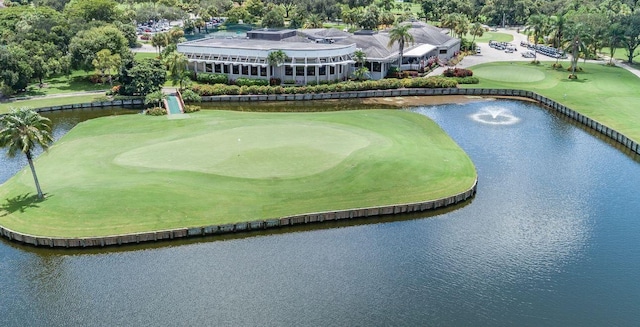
136	173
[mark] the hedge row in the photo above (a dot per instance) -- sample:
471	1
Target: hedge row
384	84
210	78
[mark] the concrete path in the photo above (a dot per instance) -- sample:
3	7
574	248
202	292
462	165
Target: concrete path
492	55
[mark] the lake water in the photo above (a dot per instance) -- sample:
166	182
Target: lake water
551	239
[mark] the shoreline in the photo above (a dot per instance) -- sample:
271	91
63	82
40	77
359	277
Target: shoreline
457	96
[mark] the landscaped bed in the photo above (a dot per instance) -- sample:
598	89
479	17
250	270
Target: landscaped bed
136	173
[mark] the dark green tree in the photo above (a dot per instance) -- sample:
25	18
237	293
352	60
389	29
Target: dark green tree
143	77
631	37
16	69
273	19
86	44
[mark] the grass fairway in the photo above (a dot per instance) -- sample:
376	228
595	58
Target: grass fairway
489	36
50	101
136	173
607	94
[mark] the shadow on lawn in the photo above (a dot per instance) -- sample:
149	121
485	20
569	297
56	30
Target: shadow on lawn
20	203
64	85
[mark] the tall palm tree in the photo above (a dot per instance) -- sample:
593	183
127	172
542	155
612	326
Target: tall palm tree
400	34
476	30
22	130
573	43
176	64
557	27
536	25
275	59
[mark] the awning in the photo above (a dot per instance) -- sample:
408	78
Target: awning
420	50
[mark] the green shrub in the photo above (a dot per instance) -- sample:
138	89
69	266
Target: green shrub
209	78
467	80
251	81
155	111
190	96
189	108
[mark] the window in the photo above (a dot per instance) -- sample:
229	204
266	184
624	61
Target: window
245	70
332	70
236	69
443	51
263	71
218	68
311	71
226	69
299	71
322	71
288	70
208	68
254	71
377	67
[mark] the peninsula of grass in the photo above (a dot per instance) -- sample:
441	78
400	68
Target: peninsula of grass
135	173
41	102
606	94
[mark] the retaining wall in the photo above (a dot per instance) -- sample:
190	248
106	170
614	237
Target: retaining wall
131	103
322	216
544	101
237	227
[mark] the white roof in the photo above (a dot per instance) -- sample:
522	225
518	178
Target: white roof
420	50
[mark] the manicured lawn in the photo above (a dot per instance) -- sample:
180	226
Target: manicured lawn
47	102
488	36
145	55
137	173
607	94
76	82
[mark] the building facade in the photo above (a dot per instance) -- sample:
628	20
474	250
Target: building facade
314	56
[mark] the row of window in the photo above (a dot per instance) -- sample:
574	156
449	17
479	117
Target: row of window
262	71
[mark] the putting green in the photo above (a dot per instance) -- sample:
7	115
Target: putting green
515	74
275	151
134	173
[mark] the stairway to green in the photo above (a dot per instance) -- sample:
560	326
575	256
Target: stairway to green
174	105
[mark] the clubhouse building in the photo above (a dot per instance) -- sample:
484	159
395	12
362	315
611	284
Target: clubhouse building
315	55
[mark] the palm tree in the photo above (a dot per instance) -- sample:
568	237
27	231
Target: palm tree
22	130
400	34
176	63
573	43
155	97
160	40
557	26
313	21
275	59
476	30
359	57
536	25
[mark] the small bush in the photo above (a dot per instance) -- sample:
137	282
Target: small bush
190	96
251	82
209	78
189	108
457	72
155	111
273	81
467	80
